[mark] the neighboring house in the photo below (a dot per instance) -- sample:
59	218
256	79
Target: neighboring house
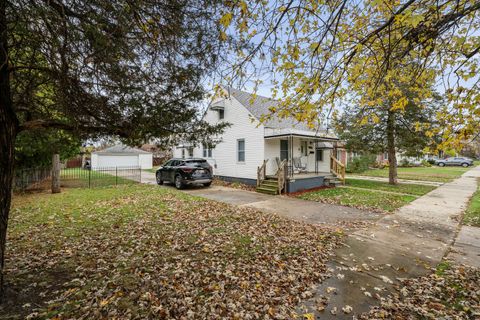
120	156
402	158
290	149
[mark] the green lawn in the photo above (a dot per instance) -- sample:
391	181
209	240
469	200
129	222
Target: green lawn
363	199
372	195
434	173
146	252
414	189
472	214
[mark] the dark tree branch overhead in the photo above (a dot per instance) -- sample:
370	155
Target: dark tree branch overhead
131	69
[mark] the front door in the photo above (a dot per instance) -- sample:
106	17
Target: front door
283	150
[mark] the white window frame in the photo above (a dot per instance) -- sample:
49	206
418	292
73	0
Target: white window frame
238	150
207	152
190	152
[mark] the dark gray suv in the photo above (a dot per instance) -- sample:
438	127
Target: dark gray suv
184	172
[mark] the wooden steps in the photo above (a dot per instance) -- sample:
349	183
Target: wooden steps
268	186
332	181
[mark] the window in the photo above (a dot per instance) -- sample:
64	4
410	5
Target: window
221	114
190	152
339	155
196	163
241	150
304	148
319	155
385	155
207	151
183	153
283	150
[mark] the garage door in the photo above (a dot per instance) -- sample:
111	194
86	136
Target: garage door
117	161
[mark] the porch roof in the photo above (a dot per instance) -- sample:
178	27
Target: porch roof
270	133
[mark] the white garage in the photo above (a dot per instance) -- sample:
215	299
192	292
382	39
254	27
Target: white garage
121	156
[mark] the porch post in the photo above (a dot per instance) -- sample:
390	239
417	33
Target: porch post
290	165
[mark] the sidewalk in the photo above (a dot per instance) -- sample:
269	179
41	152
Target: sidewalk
466	249
405	244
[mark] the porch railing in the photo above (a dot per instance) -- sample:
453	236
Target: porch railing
282	176
337	168
262	173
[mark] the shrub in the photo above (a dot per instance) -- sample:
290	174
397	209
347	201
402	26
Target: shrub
426	163
404	163
360	164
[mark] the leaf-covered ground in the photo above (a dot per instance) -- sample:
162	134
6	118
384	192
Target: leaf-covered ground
142	252
235	185
451	292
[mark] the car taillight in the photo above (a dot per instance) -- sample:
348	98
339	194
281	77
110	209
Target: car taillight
187	170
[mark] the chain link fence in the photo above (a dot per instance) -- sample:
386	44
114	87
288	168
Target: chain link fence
40	178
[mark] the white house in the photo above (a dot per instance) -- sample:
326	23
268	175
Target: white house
306	157
121	156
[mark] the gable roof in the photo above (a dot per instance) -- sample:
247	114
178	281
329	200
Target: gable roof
259	105
121	149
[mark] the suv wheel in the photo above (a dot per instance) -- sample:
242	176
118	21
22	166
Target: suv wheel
208	184
441	164
178	182
159	180
464	164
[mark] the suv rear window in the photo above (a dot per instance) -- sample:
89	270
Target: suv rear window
196	163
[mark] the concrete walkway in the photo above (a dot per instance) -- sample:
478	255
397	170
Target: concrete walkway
406	181
292	208
405	244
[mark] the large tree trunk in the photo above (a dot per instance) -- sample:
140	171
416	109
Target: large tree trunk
56	173
392	156
8	131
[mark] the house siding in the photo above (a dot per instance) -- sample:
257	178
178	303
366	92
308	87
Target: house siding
224	155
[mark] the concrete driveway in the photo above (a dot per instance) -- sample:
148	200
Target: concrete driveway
293	208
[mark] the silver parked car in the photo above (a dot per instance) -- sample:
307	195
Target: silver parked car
454	161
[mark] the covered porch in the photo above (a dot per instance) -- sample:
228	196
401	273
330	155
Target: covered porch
300	160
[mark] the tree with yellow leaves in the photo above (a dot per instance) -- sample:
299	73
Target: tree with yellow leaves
321	55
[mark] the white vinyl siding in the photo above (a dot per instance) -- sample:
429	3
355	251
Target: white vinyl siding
224	157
